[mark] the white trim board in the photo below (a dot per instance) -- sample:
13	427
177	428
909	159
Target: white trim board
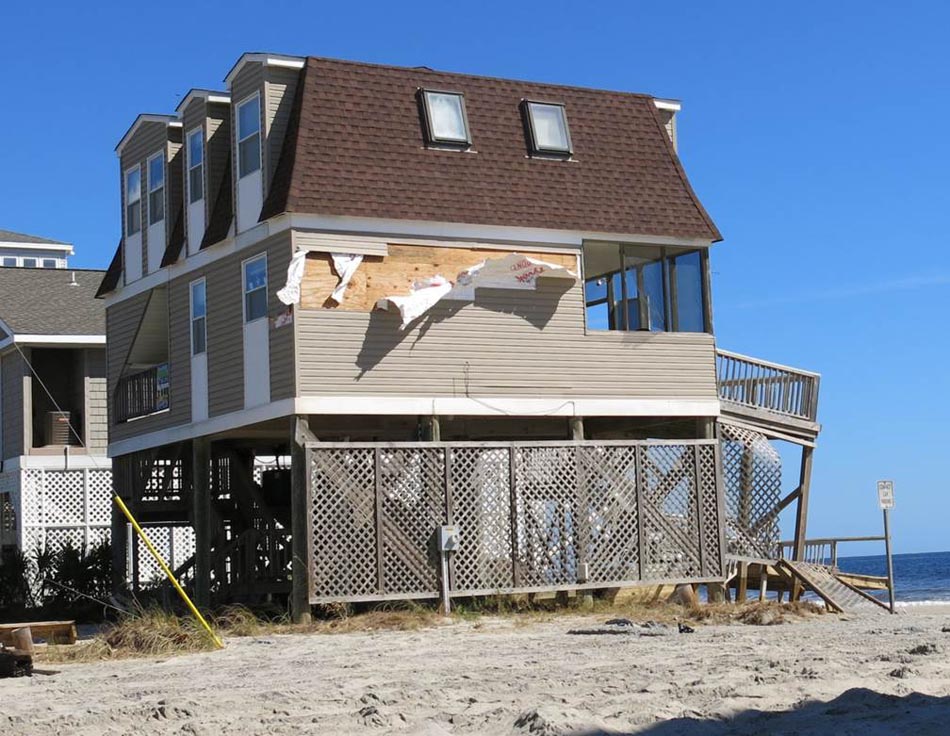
61	340
66	248
279	60
58	462
364	405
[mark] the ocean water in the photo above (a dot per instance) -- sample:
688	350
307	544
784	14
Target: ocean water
919	579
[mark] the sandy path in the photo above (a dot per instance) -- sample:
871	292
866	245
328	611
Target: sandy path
500	678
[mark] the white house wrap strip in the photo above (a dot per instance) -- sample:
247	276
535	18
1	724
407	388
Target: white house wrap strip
513	271
290	294
345	265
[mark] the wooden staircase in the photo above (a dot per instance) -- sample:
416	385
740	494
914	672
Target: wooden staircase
837	594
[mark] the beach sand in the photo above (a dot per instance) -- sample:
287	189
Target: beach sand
828	674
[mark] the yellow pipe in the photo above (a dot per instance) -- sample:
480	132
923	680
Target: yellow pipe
168	572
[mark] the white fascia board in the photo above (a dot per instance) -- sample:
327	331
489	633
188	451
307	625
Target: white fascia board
76	461
142	119
65	248
63	341
671	105
207	95
281	60
457	406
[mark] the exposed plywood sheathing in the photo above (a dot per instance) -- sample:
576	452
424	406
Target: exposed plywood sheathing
379	277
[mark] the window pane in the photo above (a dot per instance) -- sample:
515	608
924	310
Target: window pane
633	300
133	186
198	305
195	149
9	261
49	263
595	289
156	174
249	118
198	336
689	293
255	274
446	117
29	263
654	294
249	155
133	217
156	206
550	126
255	304
598	316
195	184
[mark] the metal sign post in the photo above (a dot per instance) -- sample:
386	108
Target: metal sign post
885	498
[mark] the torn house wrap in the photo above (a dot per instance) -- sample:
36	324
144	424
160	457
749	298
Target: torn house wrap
513	271
345	265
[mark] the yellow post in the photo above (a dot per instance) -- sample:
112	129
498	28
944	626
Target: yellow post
168	572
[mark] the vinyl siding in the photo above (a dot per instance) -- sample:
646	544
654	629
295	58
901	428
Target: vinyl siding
280	87
13	371
248	81
193	116
174	183
282	368
218	153
97	420
509	343
149	139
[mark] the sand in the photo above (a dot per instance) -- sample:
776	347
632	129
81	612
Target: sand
868	676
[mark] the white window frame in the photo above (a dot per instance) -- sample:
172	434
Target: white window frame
199	131
30	258
245	292
16	261
259	133
191	314
125	199
148	174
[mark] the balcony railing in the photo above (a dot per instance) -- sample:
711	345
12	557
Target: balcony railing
758	384
140	394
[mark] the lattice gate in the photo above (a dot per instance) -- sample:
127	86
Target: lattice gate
531	516
752	488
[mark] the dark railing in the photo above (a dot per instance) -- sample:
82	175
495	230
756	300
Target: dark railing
758	384
140	394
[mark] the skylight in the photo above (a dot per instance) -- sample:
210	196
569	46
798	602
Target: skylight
547	126
445	118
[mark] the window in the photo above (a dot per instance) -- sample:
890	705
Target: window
547	127
9	261
196	153
255	288
445	118
49	263
156	189
635	287
29	263
133	201
199	313
249	136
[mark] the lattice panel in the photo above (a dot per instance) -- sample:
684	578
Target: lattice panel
31	497
709	508
481	501
752	487
669	507
609	497
100	497
344	523
546	504
148	569
63	502
412	495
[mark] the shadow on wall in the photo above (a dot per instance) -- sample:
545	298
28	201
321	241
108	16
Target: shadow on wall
855	712
383	334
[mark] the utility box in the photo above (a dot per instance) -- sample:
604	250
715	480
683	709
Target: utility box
448	538
58	430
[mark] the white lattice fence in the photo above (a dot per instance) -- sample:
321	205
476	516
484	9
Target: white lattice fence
176	545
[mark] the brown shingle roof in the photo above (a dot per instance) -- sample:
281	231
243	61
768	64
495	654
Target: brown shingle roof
113	275
355	147
42	301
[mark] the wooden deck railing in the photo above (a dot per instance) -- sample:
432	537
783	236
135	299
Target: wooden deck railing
758	384
821	551
140	394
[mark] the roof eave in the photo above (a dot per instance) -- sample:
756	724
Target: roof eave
168	120
282	60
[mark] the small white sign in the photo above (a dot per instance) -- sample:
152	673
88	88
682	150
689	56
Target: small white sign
885	494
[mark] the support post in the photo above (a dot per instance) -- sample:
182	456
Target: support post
300	514
890	560
120	552
742	585
201	518
577	428
433	429
801	516
586	596
763	582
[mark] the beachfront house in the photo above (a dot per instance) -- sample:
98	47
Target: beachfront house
354	304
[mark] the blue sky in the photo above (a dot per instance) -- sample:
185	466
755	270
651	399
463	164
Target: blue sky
815	133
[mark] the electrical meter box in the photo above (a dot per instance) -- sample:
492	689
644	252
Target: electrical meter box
448	538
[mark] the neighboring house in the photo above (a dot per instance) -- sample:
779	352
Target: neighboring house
31	251
55	477
559	405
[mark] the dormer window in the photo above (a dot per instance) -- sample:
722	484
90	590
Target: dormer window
156	189
133	201
445	118
249	136
547	128
195	166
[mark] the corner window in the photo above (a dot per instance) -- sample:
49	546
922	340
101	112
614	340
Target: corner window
196	154
133	201
636	287
255	288
9	261
29	263
249	136
445	117
547	128
199	315
156	189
